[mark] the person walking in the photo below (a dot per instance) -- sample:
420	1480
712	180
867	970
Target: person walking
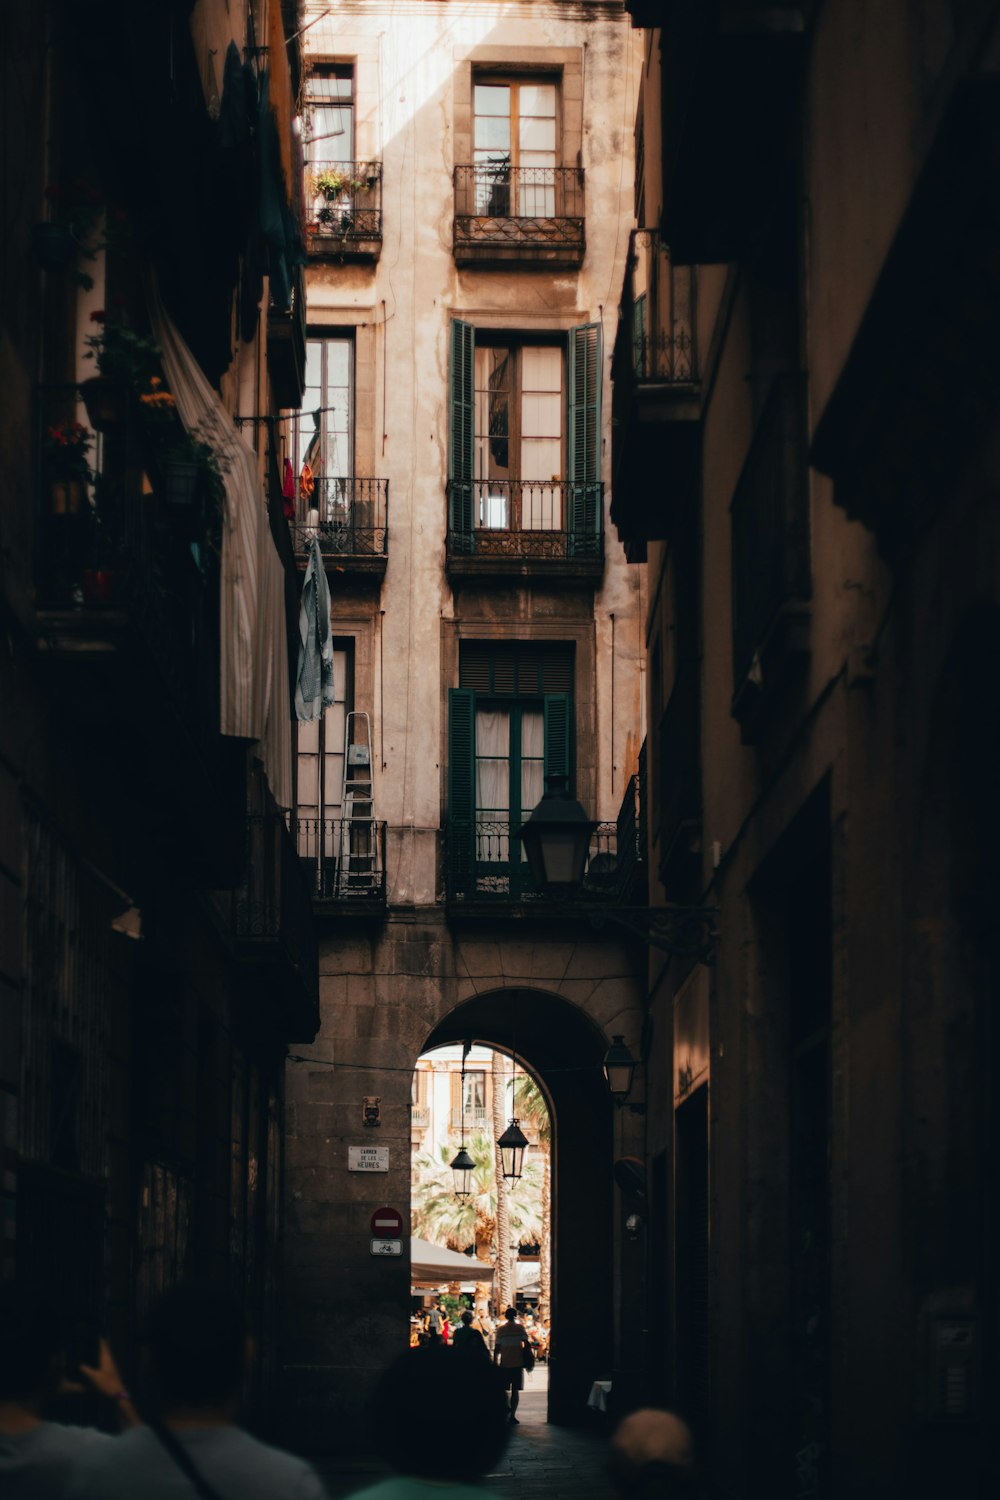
511	1351
652	1457
37	1456
198	1351
468	1339
405	1414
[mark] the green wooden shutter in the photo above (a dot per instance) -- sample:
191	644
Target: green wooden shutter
558	733
461	434
585	382
461	841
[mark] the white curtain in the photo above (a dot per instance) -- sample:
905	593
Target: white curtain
492	785
253	691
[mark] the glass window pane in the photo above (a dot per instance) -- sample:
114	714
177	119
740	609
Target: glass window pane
493	99
541	415
538	99
492	135
538	135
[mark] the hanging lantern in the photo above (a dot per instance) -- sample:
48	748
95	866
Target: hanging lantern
513	1144
619	1069
463	1167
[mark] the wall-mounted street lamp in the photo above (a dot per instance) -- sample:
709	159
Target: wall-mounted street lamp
619	1069
556	839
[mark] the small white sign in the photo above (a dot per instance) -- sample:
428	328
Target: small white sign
387	1247
368	1158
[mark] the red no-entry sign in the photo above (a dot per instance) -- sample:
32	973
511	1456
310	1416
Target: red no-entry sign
387	1223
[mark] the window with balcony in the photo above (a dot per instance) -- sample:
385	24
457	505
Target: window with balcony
525	446
515	200
345	510
511	723
343	193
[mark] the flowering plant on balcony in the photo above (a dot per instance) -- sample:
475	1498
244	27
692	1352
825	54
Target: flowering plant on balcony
330	183
65	448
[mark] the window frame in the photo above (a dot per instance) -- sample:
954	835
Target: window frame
345	68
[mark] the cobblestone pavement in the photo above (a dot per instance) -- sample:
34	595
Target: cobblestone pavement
540	1461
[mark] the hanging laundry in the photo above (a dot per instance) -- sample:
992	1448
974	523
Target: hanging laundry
314	679
306	482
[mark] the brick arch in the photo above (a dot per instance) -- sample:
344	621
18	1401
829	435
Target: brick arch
563	1047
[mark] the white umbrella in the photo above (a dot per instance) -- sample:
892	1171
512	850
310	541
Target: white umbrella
433	1264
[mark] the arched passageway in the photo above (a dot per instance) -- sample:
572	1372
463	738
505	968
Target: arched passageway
563	1049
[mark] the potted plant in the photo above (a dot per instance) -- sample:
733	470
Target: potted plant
67	471
125	360
330	183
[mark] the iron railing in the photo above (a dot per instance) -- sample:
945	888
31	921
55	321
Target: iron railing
770	523
351	520
475	1116
272	908
484	861
343	201
343	859
656	328
420	1116
497	204
522	518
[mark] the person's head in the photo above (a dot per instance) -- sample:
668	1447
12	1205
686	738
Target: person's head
511	1314
407	1405
467	1317
30	1345
652	1457
197	1347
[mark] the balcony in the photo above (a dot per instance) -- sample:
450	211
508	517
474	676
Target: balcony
510	527
344	210
420	1116
127	590
730	72
507	215
475	1117
343	860
273	924
656	398
771	579
484	866
350	521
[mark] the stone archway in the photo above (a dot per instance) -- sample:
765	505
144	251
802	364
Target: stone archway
563	1048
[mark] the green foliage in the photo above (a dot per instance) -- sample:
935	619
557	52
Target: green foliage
439	1216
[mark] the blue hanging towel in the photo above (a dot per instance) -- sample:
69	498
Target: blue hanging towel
314	680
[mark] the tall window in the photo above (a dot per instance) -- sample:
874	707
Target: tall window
321	759
514	146
323	431
330	113
519	433
525	436
510	724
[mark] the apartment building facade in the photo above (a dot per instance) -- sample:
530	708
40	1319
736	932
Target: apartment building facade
804	460
468	175
158	950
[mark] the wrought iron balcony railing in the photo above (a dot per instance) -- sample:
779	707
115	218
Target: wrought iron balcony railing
420	1116
484	861
473	1116
343	203
343	858
519	211
351	520
524	518
657	315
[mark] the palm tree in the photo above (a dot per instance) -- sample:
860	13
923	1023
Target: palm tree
445	1219
532	1109
505	1292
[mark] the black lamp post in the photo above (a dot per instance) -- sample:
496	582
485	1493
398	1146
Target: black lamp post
556	838
619	1069
513	1144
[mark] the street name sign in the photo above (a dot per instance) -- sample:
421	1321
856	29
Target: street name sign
368	1158
387	1223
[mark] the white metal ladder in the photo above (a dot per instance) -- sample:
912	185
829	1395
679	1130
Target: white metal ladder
359	864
